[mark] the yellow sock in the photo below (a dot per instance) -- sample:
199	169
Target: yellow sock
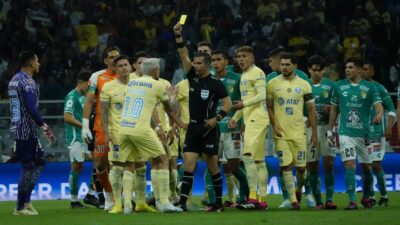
262	178
289	183
115	177
140	182
163	185
301	180
251	171
127	188
155	184
230	184
172	183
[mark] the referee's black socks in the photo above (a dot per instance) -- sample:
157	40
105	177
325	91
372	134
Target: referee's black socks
217	183
187	182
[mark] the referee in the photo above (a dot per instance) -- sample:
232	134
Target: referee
202	134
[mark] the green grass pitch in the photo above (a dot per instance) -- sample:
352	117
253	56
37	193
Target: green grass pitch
58	213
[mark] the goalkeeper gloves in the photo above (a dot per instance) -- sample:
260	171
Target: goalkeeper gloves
48	133
86	134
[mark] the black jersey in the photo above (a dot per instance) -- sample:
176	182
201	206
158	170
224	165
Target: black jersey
204	94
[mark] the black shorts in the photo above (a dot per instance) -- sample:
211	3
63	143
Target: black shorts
29	150
199	141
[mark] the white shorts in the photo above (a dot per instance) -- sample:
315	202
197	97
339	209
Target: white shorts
378	149
228	149
77	152
323	149
355	147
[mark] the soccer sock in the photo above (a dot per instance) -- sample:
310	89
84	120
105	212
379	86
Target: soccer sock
251	171
315	186
210	187
96	182
140	185
350	176
368	179
115	175
217	183
172	183
105	182
230	184
127	187
35	177
329	185
380	178
187	182
285	194
163	185
307	185
73	185
154	182
262	178
23	187
244	186
287	178
301	180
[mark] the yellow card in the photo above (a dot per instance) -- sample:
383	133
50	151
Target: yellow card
182	20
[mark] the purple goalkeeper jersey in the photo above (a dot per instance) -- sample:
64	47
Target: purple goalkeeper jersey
24	102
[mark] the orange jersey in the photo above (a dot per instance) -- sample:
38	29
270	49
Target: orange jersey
96	85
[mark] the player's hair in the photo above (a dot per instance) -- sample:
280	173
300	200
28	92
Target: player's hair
369	62
206	57
246	48
139	54
205	43
110	49
148	65
316	60
223	53
355	60
291	56
25	57
83	75
276	52
121	57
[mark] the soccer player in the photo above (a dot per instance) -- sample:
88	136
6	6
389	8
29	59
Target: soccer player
354	97
255	116
138	58
25	118
100	160
202	134
287	95
138	139
73	108
379	134
322	92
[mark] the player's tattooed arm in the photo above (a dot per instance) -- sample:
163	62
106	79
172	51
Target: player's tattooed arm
172	114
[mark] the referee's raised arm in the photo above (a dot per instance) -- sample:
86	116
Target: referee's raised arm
183	52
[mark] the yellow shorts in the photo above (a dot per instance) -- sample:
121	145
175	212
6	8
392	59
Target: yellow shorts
291	152
140	147
254	142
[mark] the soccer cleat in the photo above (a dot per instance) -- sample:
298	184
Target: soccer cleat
168	208
366	202
29	207
101	201
77	205
182	206
310	202
294	206
108	205
373	201
263	205
298	196
173	200
151	200
127	210
91	200
23	212
251	204
330	205
352	206
144	208
116	209
383	201
204	202
319	207
285	204
228	204
215	208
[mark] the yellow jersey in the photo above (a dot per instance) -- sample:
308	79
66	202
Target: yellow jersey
183	99
133	76
160	108
113	93
141	97
250	80
288	98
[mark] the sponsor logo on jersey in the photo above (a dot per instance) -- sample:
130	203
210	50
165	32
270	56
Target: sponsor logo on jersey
204	94
281	101
354	98
289	111
325	94
363	94
297	90
119	106
354	120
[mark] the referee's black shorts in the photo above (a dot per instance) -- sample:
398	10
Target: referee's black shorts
200	140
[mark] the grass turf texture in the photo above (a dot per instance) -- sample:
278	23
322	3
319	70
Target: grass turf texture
58	213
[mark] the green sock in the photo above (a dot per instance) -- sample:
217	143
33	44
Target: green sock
73	184
210	188
285	194
315	186
380	177
307	185
350	177
244	186
329	185
367	182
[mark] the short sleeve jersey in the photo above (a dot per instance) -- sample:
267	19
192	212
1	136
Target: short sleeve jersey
160	108
322	93
354	102
73	103
289	97
183	99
